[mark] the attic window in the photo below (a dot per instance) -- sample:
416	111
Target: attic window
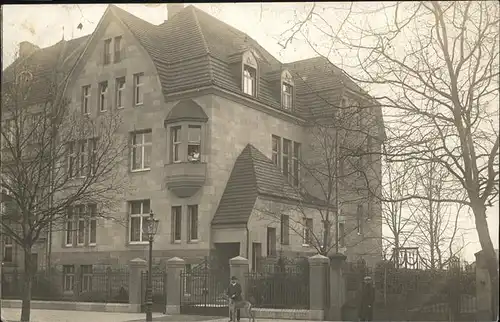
249	80
286	90
286	96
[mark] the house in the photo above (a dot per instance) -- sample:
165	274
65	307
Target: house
217	129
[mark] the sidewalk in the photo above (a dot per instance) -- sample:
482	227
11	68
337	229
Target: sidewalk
12	315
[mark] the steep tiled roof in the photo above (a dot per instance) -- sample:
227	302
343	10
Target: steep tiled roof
194	49
44	65
205	59
253	174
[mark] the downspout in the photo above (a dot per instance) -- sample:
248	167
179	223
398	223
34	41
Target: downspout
248	240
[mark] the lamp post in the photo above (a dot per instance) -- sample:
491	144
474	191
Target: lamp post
149	229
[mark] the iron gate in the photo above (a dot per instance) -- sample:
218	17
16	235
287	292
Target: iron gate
203	293
159	289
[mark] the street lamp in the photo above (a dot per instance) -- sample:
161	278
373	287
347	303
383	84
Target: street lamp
149	228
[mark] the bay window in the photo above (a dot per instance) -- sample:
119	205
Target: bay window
185	143
194	143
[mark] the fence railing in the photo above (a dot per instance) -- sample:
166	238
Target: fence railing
104	286
279	288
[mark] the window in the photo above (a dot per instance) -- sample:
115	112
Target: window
82	159
86	99
249	80
359	219
341	240
271	241
276	150
359	164
359	115
139	212
193	222
86	278
103	94
141	150
69	227
120	92
8	131
68	277
287	96
287	164
175	134
296	160
308	230
176	223
80	215
194	143
117	49
138	90
340	167
92	225
71	159
93	164
107	51
8	254
285	229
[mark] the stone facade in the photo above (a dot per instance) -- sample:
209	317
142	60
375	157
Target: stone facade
233	122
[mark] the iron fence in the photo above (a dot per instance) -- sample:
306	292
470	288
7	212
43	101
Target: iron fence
415	294
279	288
108	286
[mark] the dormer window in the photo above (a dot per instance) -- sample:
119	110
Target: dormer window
249	74
286	90
249	80
286	96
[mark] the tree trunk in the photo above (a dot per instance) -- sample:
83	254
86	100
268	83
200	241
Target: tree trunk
487	246
26	295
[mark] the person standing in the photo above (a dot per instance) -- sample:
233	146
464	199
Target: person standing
367	297
234	293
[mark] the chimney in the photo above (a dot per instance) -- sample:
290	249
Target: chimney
173	9
26	48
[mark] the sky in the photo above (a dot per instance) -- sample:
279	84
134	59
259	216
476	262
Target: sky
45	25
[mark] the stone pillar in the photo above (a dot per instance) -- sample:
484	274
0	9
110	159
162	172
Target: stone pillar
238	266
484	311
135	296
337	288
318	268
175	266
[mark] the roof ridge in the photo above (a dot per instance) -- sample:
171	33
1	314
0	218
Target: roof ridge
250	147
205	44
115	7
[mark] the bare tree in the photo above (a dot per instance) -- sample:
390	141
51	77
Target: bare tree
436	66
397	216
438	233
53	158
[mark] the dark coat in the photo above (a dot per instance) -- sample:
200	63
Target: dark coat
367	295
234	291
